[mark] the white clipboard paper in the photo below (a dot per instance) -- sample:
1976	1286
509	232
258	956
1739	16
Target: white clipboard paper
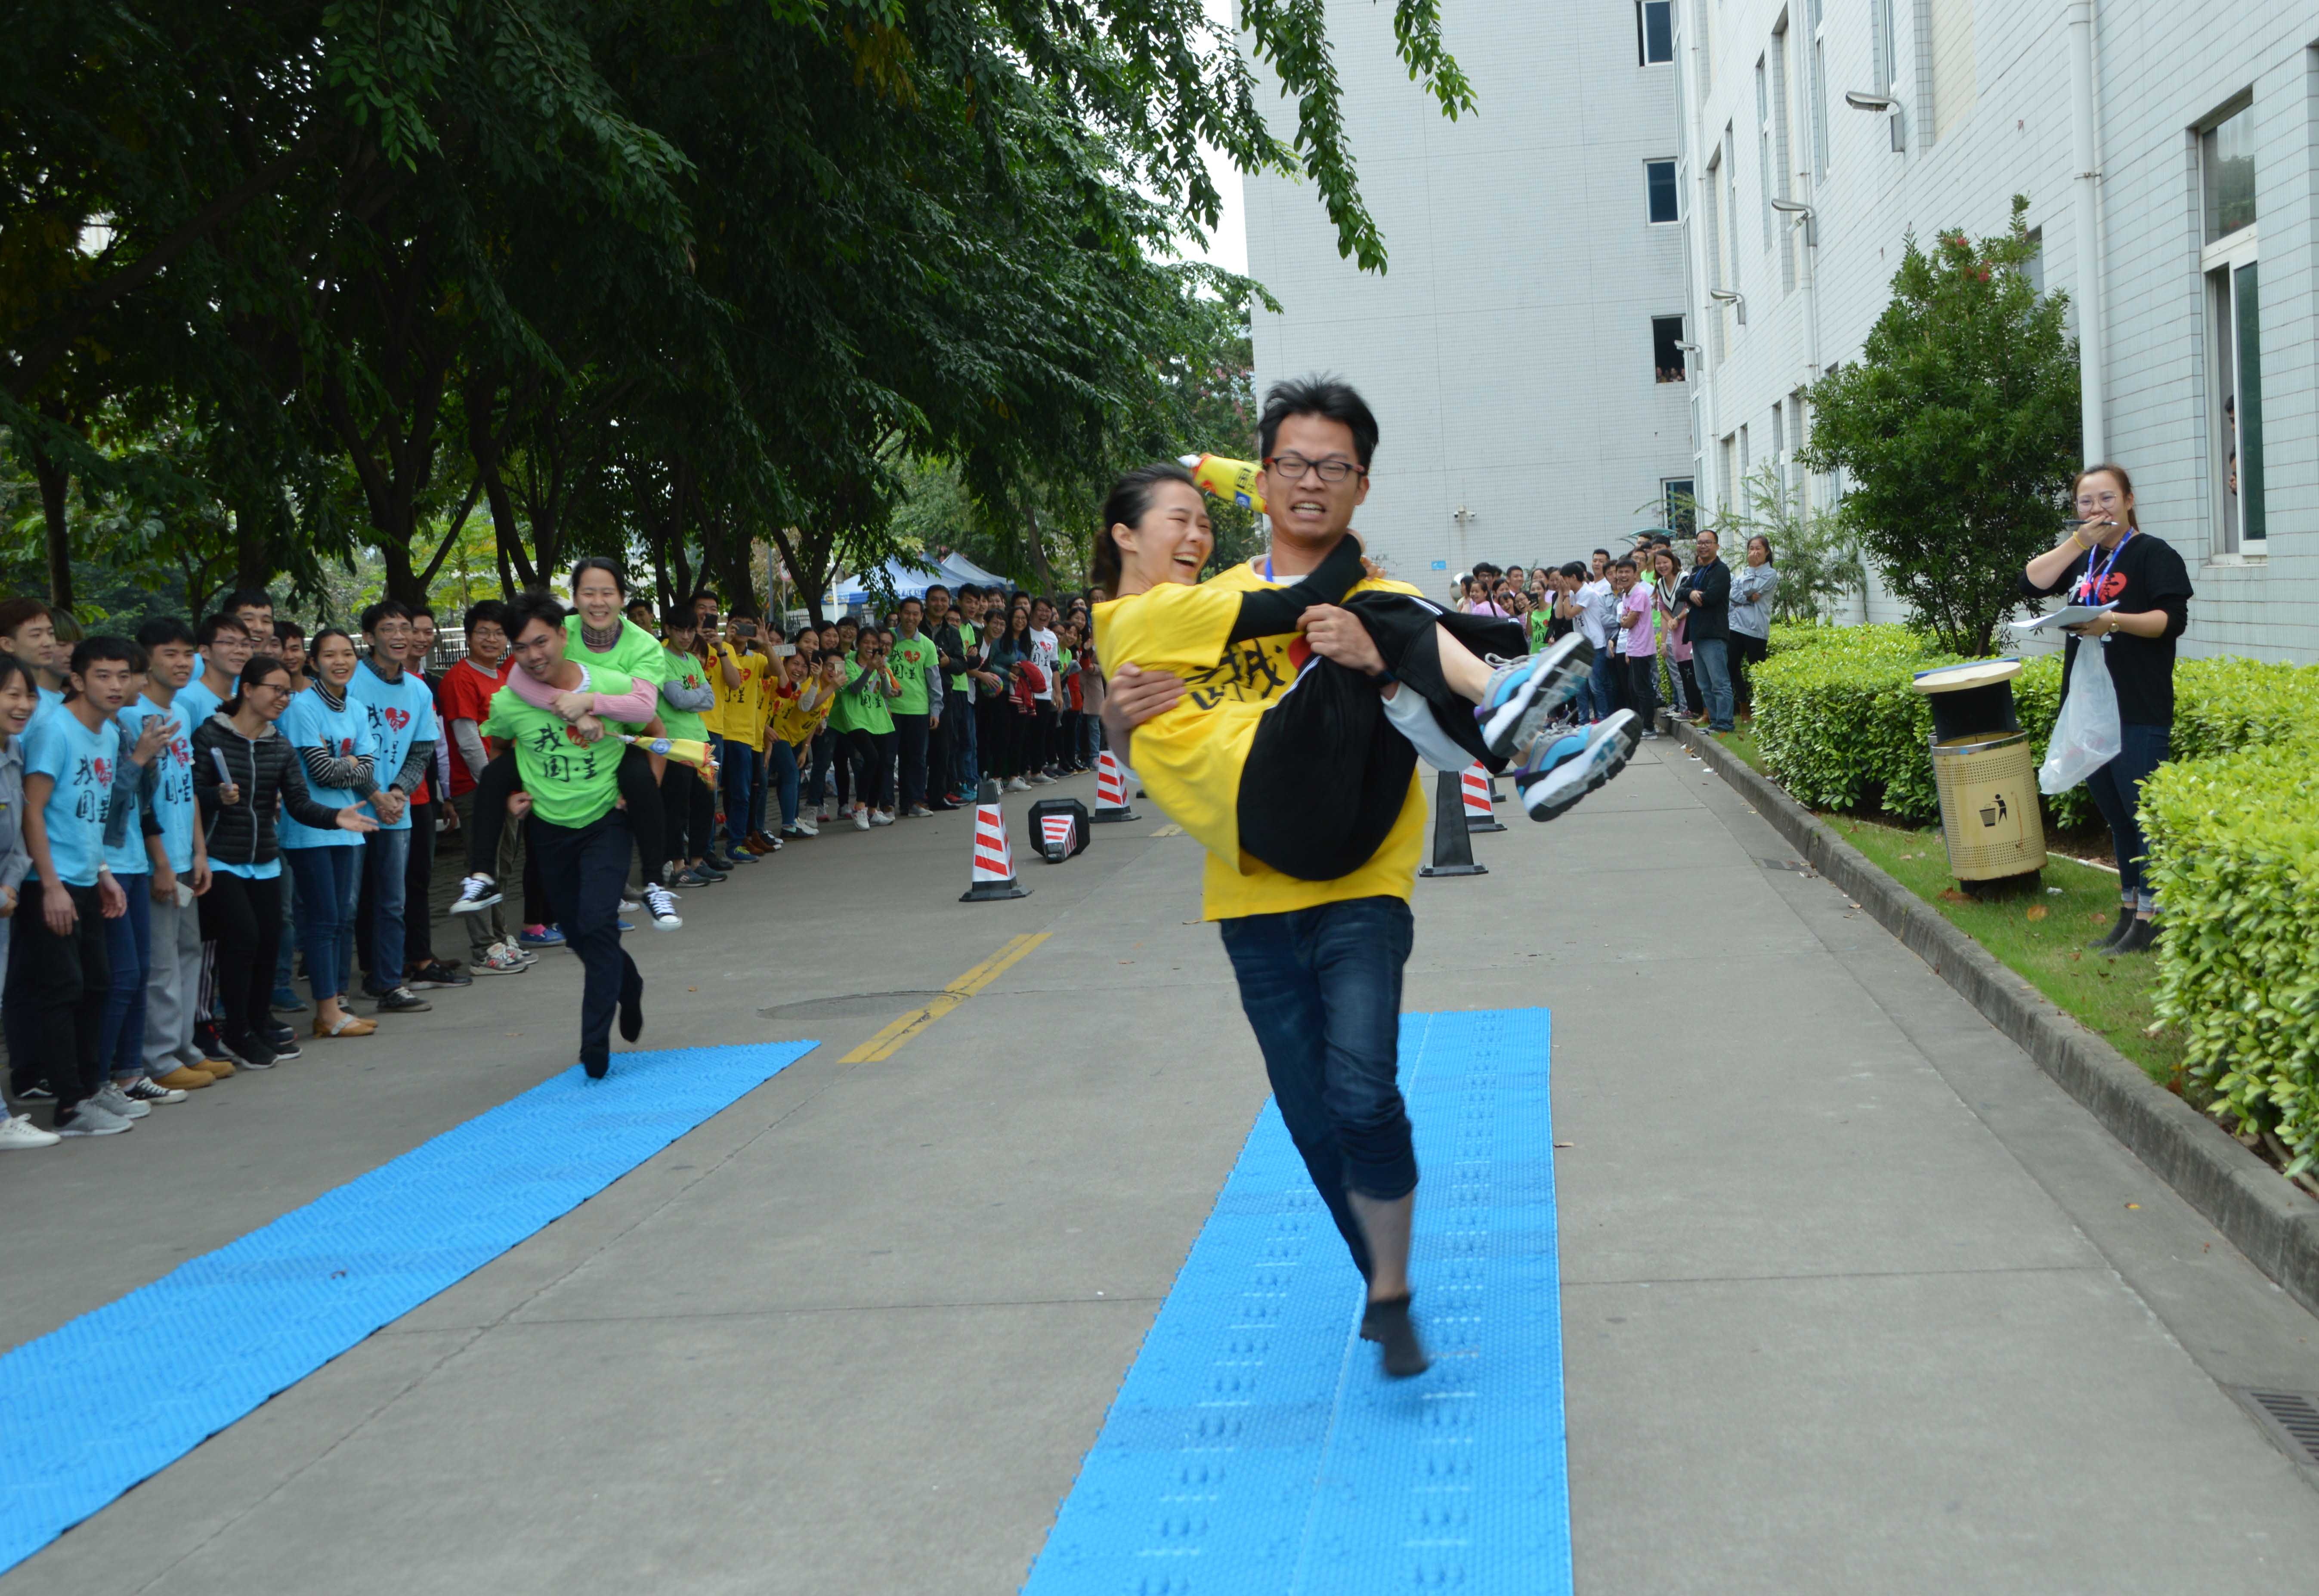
2069	615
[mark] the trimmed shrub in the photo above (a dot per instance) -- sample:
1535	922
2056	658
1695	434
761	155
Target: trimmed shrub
1840	727
2235	860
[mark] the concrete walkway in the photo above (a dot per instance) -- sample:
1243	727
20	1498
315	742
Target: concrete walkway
1855	1299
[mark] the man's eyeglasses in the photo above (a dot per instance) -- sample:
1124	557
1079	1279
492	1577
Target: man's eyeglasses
1294	467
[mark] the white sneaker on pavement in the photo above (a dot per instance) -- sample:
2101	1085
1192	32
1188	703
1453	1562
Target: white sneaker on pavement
860	820
502	960
18	1133
89	1120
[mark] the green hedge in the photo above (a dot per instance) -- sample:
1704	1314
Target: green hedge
1839	726
2235	860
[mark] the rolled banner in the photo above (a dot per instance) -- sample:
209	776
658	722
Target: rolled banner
690	750
1227	479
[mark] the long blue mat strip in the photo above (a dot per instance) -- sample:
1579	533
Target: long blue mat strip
1254	1450
286	1299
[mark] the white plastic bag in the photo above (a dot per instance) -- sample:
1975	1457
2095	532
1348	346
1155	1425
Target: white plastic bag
2085	734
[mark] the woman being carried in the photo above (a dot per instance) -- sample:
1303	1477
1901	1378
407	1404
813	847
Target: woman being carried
1310	784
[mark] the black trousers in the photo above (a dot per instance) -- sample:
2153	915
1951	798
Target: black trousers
942	761
1643	687
1745	651
871	754
690	809
646	814
244	919
991	731
585	869
57	989
1041	751
911	732
1328	774
417	880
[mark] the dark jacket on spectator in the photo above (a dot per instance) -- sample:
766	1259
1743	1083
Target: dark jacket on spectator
266	771
1711	618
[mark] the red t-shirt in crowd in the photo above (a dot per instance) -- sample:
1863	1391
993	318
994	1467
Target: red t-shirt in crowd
465	693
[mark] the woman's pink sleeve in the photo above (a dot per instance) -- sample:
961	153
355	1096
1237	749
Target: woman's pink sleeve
640	703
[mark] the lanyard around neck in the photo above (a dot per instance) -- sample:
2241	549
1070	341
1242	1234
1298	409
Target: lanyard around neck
2091	586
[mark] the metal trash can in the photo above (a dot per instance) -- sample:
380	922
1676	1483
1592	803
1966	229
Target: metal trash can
1985	777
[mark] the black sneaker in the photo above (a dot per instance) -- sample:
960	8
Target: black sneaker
402	1000
434	974
39	1091
2117	932
256	1053
283	1039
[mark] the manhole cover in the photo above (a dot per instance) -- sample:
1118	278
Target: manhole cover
854	1005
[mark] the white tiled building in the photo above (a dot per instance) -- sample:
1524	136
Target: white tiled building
1510	351
1881	116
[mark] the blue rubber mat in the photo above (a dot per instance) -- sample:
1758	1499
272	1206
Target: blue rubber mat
1254	1448
283	1301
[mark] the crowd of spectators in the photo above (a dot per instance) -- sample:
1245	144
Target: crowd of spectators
1661	631
192	816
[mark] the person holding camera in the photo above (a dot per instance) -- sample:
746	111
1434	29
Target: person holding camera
867	689
742	667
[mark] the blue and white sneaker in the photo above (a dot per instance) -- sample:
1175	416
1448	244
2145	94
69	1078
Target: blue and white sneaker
1566	769
1522	693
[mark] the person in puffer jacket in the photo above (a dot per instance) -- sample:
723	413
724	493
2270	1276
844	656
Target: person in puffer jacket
245	776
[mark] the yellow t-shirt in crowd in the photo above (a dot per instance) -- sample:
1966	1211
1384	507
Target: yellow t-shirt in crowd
1190	758
740	710
798	726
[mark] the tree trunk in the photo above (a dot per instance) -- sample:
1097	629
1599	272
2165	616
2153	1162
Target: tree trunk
1039	566
54	481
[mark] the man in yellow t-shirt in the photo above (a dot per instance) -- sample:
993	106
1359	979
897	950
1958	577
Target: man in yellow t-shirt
1319	962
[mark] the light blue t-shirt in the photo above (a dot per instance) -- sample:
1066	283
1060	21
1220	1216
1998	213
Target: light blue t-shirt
309	722
50	700
401	712
127	857
80	762
196	703
172	795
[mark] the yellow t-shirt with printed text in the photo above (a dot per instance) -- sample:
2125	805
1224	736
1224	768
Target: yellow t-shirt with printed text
1190	759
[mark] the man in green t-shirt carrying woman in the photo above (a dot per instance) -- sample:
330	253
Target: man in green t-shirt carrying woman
571	775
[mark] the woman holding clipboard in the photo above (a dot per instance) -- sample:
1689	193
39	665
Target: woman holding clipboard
2108	559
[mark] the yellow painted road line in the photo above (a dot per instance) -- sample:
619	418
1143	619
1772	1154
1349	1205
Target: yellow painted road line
887	1042
1168	831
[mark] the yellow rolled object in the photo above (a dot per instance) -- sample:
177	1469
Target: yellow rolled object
1228	479
690	750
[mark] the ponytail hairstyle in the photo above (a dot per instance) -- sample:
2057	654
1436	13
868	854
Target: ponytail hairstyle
1128	502
260	667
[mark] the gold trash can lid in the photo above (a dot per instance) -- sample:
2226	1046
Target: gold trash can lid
1949	678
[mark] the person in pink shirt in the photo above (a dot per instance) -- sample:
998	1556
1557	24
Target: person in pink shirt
1637	643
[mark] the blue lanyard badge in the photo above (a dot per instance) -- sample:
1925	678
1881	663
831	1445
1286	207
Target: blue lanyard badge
2089	587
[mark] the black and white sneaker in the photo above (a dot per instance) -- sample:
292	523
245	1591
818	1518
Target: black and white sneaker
475	892
145	1089
284	1041
39	1091
662	904
1524	693
402	1000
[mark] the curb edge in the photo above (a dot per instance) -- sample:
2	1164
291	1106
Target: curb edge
2256	1210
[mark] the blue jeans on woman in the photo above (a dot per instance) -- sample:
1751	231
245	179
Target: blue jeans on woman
129	949
2116	790
329	885
1322	989
784	780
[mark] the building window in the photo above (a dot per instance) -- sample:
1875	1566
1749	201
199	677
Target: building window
1819	87
1666	347
2234	329
1654	31
1763	144
1781	158
1658	179
1888	47
1717	272
1729	498
1681	502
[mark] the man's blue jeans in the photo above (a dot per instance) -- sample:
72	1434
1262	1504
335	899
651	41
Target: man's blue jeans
1322	989
740	789
386	859
1711	661
958	717
1603	684
129	948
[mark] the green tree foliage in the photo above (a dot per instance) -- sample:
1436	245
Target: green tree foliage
285	283
1956	431
1820	564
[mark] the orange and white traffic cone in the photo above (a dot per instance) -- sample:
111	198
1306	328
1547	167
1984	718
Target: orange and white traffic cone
994	861
1474	784
1110	791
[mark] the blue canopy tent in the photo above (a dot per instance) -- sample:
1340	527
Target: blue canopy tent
909	577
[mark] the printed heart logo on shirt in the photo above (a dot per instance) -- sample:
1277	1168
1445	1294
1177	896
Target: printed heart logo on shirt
103	769
1299	651
2112	586
345	746
397	719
